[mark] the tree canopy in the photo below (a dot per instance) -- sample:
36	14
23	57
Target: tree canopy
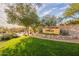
22	13
49	20
72	9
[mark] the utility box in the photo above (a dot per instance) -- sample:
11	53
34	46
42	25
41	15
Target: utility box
51	30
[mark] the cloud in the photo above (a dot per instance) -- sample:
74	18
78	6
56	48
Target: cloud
3	17
2	13
54	8
42	7
59	14
46	12
63	8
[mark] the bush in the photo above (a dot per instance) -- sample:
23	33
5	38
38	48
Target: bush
6	37
40	31
64	32
15	36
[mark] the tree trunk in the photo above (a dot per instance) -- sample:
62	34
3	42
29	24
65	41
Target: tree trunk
28	31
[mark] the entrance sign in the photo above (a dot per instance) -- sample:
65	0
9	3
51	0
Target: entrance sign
51	30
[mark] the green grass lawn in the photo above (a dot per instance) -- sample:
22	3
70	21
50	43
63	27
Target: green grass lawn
38	47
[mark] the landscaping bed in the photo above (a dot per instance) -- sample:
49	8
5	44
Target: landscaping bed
10	43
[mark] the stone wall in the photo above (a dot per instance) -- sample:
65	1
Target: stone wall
73	31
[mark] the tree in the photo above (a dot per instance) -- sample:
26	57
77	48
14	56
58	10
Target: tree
59	20
38	4
73	12
49	20
22	14
73	8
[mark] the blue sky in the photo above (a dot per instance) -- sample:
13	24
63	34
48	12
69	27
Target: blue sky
56	9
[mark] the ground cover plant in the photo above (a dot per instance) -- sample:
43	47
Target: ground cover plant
10	43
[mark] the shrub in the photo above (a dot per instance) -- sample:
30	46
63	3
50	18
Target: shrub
6	37
15	36
40	31
64	32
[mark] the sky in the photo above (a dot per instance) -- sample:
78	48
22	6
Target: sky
53	9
